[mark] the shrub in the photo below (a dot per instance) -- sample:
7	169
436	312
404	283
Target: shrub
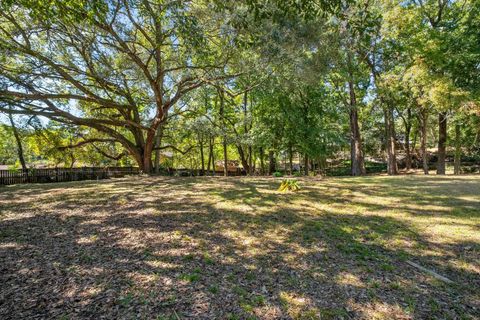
289	185
277	174
15	168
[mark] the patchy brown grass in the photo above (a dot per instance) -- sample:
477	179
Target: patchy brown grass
216	248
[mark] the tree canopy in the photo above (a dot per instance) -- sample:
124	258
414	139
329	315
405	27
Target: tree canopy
309	83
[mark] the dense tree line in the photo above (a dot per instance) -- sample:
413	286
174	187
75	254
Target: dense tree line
276	85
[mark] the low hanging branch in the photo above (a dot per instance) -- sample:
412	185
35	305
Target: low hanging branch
175	148
84	142
106	155
92	143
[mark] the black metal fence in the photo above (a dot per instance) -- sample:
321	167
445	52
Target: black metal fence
197	172
346	170
8	177
33	175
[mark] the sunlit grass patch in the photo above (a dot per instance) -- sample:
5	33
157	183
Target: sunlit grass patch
298	307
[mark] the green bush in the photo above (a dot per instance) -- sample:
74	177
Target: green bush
289	185
277	174
15	168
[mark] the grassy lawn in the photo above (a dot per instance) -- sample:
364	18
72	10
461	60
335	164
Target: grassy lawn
216	248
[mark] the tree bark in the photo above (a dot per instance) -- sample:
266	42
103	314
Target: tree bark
202	157
291	159
225	157
72	159
246	155
254	162
214	167
250	160
442	142
157	162
243	158
158	144
210	150
262	162
458	149
272	166
305	164
18	140
408	130
414	145
224	138
392	168
423	139
357	161
147	160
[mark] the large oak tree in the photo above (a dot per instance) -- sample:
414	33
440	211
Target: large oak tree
117	67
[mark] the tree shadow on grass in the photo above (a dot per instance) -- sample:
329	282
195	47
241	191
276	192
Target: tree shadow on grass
151	252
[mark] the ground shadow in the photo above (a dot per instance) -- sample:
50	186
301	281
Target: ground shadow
208	248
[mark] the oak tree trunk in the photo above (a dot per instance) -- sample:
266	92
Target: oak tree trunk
243	158
72	160
442	142
158	144
272	166
250	160
305	163
408	130
225	157
147	160
458	150
392	168
224	138
262	162
290	153
357	161
210	151
202	157
423	140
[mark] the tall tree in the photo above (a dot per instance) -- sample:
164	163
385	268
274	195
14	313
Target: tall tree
118	70
18	140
